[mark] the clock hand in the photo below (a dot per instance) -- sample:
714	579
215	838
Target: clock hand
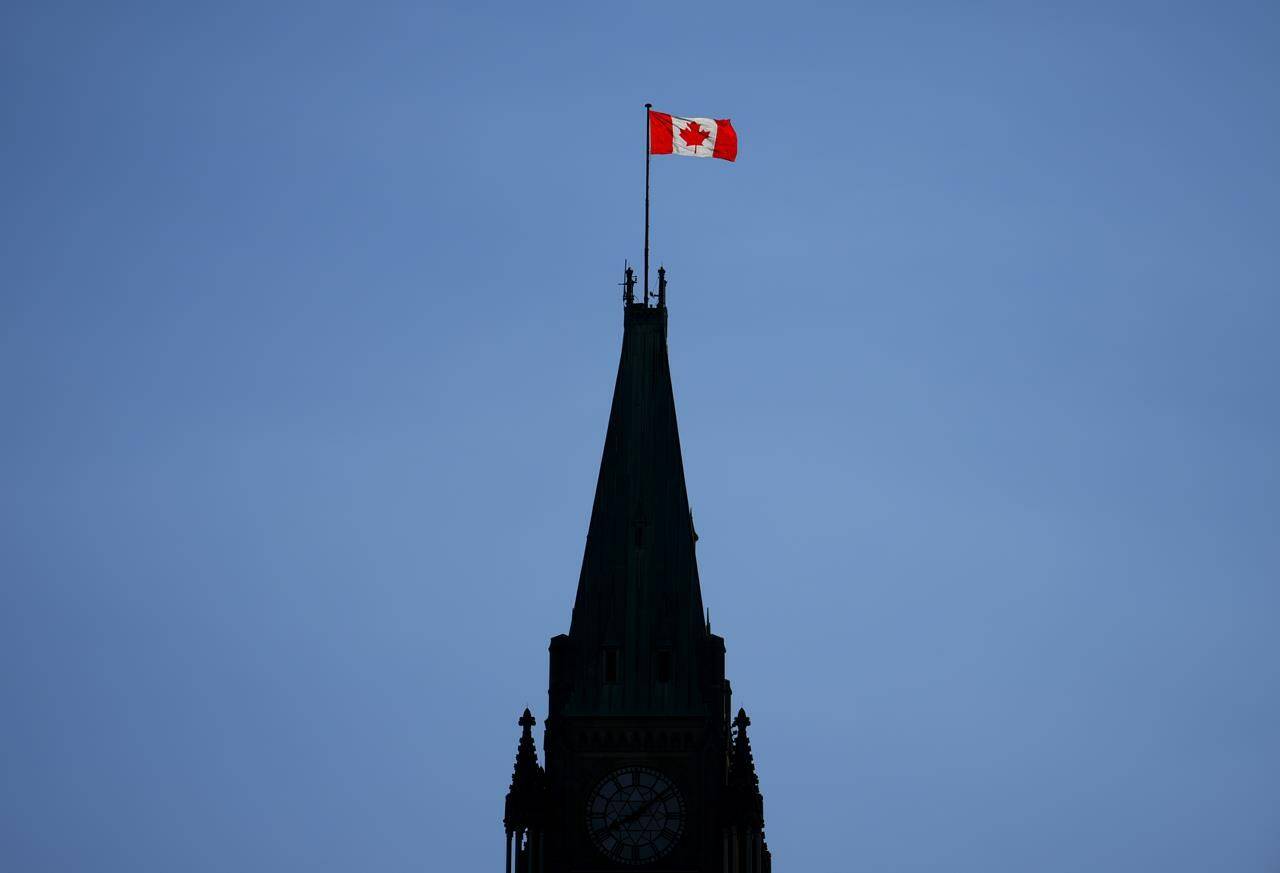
632	816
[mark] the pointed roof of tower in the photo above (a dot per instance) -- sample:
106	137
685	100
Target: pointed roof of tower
638	590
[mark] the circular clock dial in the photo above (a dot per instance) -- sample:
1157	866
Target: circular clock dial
635	815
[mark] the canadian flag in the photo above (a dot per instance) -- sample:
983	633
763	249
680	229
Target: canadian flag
697	137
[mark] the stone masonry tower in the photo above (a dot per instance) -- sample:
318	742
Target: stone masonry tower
646	766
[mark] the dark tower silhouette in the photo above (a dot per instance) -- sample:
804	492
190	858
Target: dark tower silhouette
645	768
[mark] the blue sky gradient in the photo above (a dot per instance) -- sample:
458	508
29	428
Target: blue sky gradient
308	328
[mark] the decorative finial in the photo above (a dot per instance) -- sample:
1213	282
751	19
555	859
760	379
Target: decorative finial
662	287
629	284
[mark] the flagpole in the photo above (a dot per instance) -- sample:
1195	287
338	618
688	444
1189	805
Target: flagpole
647	107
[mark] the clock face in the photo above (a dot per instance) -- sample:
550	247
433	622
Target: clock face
635	815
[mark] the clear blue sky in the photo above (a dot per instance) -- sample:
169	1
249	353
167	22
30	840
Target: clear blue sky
308	327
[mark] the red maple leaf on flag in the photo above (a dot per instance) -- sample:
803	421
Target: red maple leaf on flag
694	135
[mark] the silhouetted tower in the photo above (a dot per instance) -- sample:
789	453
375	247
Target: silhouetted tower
643	766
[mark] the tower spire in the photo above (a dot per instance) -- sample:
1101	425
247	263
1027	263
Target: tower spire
638	596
